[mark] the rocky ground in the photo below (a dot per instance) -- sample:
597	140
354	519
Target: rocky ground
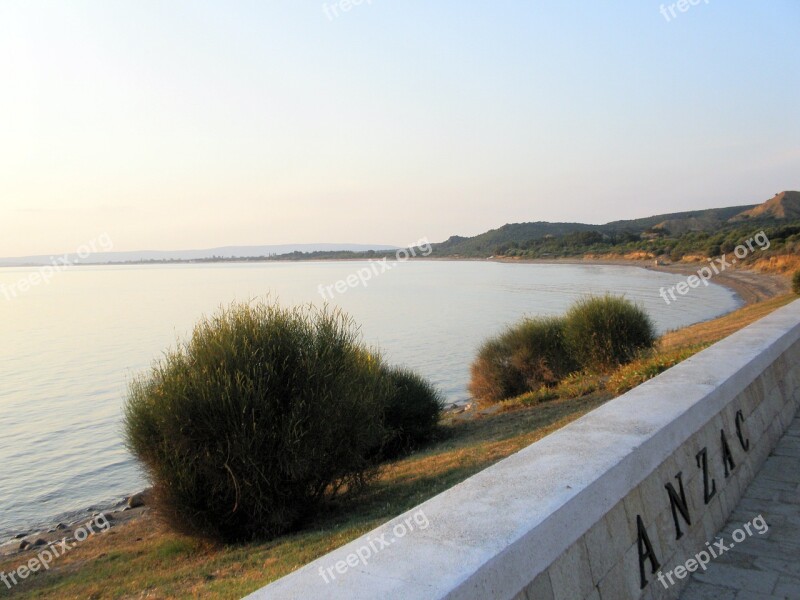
31	542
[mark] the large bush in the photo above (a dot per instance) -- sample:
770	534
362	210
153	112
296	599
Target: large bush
261	416
412	413
796	282
523	358
603	332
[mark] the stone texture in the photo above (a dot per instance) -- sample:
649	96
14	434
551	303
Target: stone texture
764	565
570	575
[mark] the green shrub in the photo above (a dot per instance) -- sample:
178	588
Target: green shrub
523	358
796	282
603	332
264	414
412	414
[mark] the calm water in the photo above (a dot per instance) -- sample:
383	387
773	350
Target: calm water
70	347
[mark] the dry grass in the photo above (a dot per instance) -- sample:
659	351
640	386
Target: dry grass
781	264
709	332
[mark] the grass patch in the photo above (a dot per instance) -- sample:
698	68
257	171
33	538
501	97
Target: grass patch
712	331
629	376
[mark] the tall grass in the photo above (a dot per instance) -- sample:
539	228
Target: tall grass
264	414
796	282
603	332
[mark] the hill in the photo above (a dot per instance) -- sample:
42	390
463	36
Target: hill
514	232
574	238
785	205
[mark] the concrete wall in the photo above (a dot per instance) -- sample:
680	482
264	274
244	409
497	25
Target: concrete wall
585	512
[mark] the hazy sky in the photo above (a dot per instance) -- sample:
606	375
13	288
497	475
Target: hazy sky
173	125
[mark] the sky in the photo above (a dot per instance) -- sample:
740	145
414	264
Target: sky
173	125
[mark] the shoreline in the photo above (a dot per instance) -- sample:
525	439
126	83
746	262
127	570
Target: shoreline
749	286
128	509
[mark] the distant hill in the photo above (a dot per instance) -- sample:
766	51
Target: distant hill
226	252
485	242
539	238
784	206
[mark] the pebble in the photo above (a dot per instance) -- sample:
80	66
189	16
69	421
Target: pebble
136	501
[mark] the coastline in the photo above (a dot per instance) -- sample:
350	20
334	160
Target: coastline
749	286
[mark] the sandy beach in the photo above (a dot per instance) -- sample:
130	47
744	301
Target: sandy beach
750	286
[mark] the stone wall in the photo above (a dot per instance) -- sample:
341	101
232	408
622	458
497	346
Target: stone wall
602	509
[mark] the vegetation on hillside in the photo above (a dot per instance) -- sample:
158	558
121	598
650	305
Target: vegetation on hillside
700	233
660	243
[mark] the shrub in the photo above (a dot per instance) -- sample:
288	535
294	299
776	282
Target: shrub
606	331
523	358
796	282
264	414
412	413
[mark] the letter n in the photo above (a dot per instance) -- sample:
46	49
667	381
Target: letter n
646	551
678	504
